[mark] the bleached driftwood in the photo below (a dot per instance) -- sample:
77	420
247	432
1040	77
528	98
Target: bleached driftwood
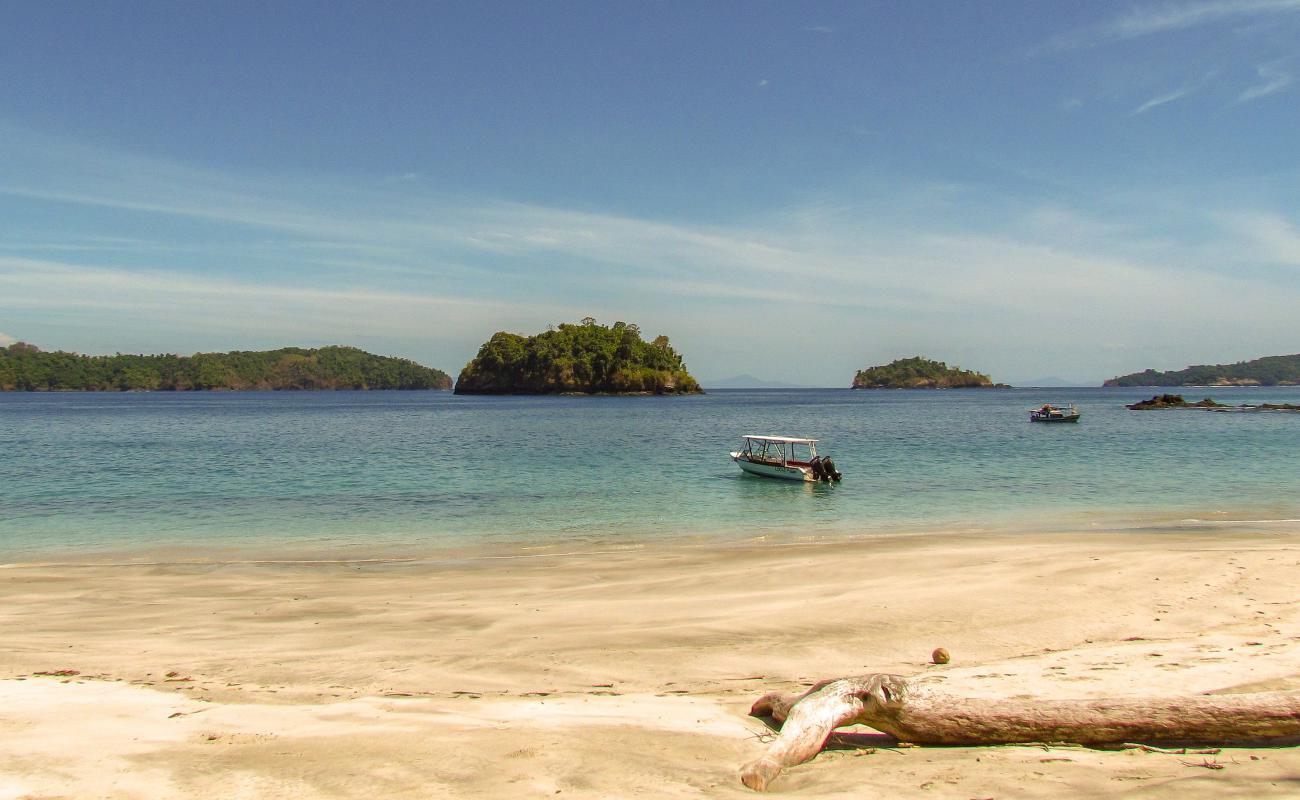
922	713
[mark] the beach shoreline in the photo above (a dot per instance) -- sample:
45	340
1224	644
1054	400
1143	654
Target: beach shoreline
626	671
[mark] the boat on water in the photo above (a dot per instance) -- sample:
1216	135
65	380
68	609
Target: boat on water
787	457
1051	413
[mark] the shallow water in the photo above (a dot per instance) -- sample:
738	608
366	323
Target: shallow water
412	472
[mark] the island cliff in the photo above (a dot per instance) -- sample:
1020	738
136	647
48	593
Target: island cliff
24	367
577	359
921	373
1267	371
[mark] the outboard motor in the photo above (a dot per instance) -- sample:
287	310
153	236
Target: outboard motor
828	469
818	472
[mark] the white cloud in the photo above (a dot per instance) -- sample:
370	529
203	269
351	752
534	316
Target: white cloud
228	305
1275	79
1270	237
1160	100
407	266
1149	20
1152	19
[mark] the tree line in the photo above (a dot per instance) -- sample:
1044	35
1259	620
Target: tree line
25	367
1267	371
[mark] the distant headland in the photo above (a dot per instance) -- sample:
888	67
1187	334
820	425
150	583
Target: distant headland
1267	371
921	373
25	367
586	358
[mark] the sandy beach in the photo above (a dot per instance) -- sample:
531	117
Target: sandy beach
627	673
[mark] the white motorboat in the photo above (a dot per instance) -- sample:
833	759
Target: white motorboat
787	457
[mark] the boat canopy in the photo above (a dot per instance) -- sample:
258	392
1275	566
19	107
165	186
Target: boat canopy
782	439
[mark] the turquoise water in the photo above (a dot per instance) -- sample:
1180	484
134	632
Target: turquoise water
415	472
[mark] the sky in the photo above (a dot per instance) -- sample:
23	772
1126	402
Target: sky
790	190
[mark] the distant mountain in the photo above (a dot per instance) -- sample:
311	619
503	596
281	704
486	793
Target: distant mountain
748	381
1051	382
25	367
921	373
1267	371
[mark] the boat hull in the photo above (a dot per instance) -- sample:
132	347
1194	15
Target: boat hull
766	470
1074	418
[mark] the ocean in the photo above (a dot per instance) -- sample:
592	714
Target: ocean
410	474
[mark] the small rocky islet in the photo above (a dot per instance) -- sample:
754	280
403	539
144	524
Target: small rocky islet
1163	401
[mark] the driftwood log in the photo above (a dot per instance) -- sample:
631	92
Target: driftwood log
922	713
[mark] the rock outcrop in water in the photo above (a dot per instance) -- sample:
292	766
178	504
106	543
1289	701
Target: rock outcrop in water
921	373
24	367
1177	401
1171	401
586	358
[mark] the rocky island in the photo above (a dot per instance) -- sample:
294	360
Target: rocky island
25	367
1267	371
921	373
585	358
1177	401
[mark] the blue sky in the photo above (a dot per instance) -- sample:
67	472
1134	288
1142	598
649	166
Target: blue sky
790	190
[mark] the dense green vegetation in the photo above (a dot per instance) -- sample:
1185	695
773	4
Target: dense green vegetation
24	367
1267	371
920	373
584	358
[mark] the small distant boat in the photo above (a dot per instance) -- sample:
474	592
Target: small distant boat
1051	413
785	457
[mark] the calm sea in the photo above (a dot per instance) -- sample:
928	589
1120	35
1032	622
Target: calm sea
318	474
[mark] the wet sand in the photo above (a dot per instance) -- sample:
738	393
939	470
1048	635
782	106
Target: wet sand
627	673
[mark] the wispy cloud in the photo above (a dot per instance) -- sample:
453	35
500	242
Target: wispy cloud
1160	18
337	262
1163	99
1274	78
1272	237
1177	94
228	305
1147	20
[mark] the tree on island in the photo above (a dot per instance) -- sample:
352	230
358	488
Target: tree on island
587	358
920	373
24	367
1267	371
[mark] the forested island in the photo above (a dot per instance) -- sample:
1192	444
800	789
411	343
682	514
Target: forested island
1267	371
921	373
586	358
24	367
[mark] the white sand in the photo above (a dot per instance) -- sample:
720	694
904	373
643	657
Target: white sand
626	674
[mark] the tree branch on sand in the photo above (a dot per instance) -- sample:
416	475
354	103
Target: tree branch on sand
918	712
